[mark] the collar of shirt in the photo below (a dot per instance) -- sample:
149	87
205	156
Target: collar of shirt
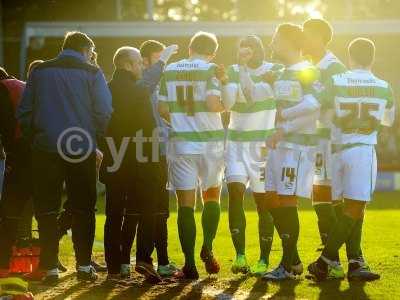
122	73
69	52
361	71
299	65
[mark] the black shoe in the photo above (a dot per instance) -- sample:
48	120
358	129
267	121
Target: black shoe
360	271
211	264
50	280
190	272
148	271
61	267
99	268
91	275
317	272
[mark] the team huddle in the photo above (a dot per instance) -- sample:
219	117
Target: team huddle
304	127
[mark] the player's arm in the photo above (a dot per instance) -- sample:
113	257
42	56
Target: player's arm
247	84
308	105
213	94
317	96
162	106
298	123
390	110
229	86
152	75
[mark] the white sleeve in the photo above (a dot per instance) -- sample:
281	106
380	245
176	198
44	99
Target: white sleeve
388	116
308	105
229	94
298	123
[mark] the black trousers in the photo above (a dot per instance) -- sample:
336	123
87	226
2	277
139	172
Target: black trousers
50	171
162	215
130	201
16	195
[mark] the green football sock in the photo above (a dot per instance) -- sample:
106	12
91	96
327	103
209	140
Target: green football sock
265	233
338	236
237	225
209	221
326	219
187	233
353	243
290	235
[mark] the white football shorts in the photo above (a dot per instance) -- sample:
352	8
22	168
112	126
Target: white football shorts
245	163
323	163
290	171
354	173
189	171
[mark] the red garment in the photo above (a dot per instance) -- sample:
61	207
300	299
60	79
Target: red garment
15	89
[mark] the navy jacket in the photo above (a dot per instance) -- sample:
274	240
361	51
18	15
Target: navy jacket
64	93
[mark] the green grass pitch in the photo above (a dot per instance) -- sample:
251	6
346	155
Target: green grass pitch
381	245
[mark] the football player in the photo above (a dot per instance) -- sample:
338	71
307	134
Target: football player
361	102
318	34
190	99
290	163
252	119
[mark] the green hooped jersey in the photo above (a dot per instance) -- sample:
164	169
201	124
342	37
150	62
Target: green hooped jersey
185	86
251	120
361	103
295	83
328	66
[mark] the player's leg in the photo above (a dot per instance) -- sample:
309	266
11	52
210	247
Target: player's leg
359	177
237	179
321	198
237	225
165	267
294	172
183	179
210	174
265	232
187	230
358	268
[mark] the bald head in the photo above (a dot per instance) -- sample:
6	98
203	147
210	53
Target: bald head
126	55
129	59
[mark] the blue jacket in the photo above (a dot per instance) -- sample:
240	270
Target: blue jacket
63	93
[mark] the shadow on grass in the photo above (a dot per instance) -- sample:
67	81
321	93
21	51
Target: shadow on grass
331	290
258	291
286	289
36	287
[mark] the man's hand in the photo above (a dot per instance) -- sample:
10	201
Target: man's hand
244	56
274	139
168	52
278	116
99	159
270	77
221	75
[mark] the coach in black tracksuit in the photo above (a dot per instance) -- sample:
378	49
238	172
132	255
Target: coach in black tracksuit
132	183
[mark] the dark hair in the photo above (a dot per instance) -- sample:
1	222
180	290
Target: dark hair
75	40
33	65
292	33
320	28
3	74
149	47
362	51
204	43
